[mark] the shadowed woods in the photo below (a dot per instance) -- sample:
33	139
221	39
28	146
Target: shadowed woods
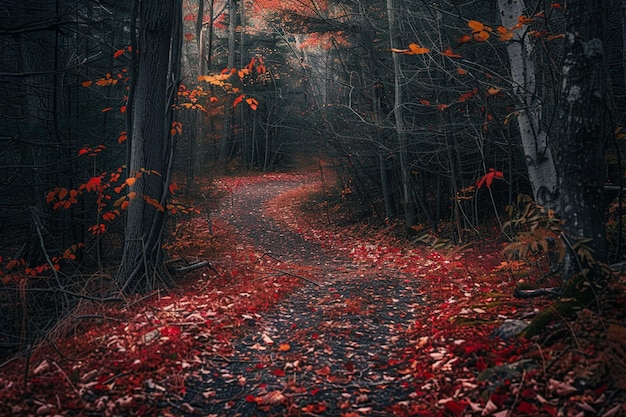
460	254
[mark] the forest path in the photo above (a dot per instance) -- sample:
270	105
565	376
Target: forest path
334	348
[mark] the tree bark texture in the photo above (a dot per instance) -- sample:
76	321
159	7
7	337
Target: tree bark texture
226	143
583	132
401	131
539	160
141	266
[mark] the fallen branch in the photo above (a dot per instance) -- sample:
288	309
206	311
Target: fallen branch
297	276
539	292
282	271
194	266
618	267
64	292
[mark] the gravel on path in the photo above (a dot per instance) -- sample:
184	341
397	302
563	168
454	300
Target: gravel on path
333	349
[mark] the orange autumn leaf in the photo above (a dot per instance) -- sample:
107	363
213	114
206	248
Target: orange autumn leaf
109	216
250	65
418	50
492	91
238	100
504	34
425	102
481	36
118	53
130	181
324	371
252	103
153	202
284	347
480	31
106	109
86	83
555	37
461	71
442	106
466	96
122	137
243	72
450	53
97	229
414	49
177	128
317	408
465	39
476	26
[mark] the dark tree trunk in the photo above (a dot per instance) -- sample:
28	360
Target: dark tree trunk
581	141
398	114
141	268
226	143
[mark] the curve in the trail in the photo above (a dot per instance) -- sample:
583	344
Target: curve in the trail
244	210
337	348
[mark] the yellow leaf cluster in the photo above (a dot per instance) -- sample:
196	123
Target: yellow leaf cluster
215	79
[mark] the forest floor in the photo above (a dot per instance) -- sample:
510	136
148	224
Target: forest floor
297	316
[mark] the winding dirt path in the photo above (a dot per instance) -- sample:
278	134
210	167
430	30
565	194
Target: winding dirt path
245	210
332	349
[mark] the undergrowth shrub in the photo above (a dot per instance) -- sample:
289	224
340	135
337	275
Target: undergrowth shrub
536	237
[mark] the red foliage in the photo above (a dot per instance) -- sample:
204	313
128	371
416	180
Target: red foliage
159	340
488	178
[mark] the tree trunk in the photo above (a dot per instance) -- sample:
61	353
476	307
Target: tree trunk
141	268
539	160
583	132
367	31
196	135
226	144
409	210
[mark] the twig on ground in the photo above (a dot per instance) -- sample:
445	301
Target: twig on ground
69	381
194	266
298	276
274	256
539	292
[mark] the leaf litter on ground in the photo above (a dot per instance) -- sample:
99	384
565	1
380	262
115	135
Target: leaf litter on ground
368	326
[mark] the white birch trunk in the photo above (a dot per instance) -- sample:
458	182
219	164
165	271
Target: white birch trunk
539	161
